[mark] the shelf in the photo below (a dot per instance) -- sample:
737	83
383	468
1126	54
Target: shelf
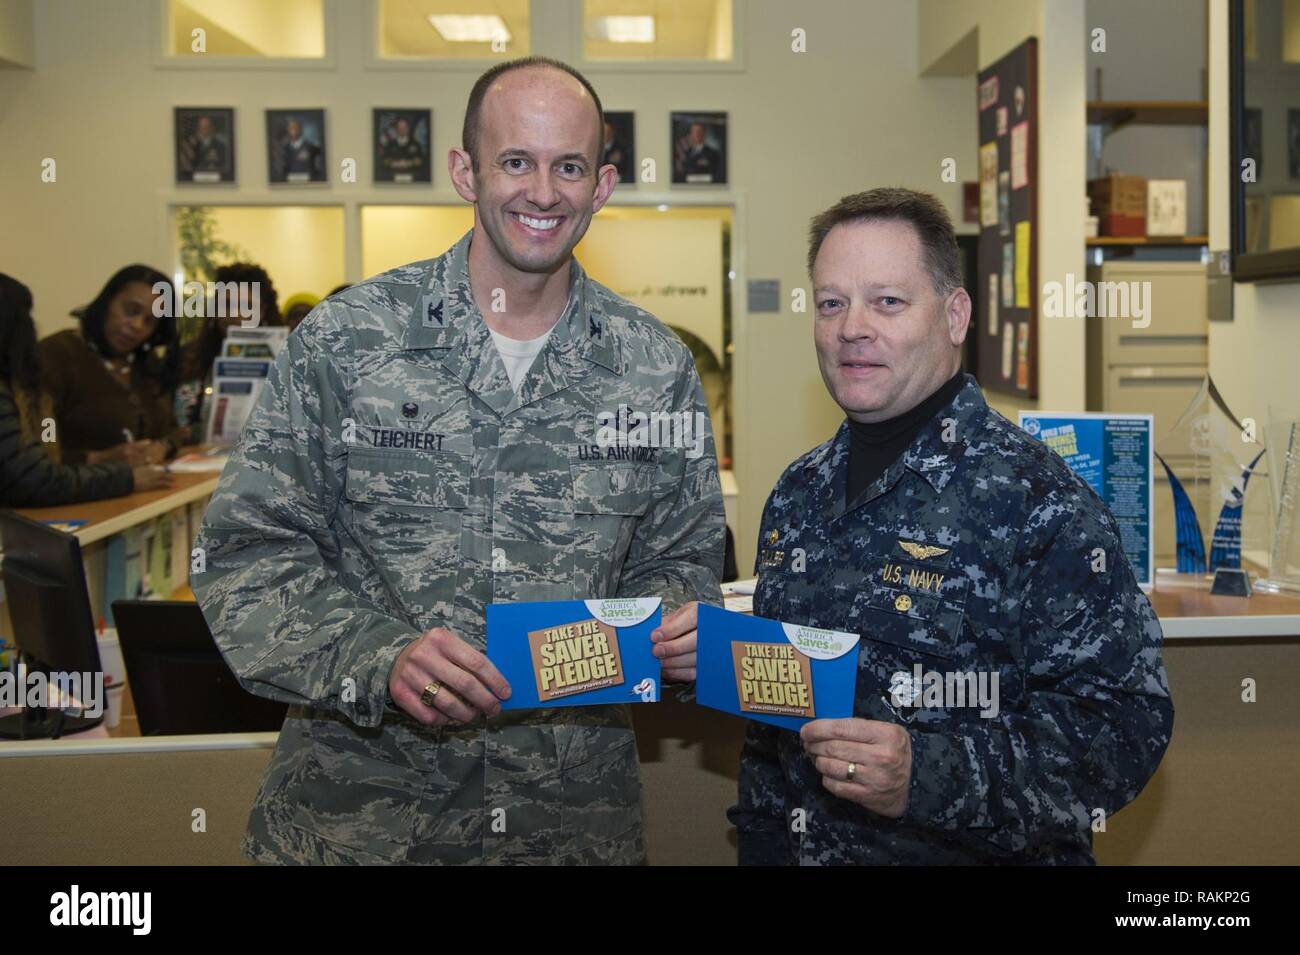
1112	240
1116	113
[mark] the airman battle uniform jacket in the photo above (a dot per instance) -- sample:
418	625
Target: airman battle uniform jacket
389	481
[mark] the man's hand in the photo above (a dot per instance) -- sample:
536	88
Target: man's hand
469	685
674	644
881	754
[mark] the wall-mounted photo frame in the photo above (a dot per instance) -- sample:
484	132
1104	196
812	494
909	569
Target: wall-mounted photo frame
205	144
699	148
1265	223
403	145
295	145
620	144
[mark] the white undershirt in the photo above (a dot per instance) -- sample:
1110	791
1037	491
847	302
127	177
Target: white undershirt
518	356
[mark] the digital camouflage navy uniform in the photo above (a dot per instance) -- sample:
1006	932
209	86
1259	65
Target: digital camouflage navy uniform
389	481
970	554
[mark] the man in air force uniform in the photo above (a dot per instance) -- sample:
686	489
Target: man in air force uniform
400	473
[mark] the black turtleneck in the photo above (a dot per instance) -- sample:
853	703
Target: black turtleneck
874	446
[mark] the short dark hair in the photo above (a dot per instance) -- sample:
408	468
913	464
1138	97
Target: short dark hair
925	213
20	362
469	132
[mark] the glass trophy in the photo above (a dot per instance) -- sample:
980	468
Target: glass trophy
1217	473
1284	557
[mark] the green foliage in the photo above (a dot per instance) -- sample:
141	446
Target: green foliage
202	250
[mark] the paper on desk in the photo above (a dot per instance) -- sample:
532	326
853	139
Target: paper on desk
738	603
198	463
738	595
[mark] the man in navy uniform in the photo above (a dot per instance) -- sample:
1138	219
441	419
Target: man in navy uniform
1010	687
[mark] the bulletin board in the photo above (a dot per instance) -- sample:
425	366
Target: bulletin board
1007	99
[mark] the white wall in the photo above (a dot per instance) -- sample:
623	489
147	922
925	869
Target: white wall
1253	357
849	114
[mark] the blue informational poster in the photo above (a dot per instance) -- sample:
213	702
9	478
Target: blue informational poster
779	673
1114	454
575	652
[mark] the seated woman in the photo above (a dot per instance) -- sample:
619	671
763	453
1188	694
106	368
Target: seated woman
112	380
31	474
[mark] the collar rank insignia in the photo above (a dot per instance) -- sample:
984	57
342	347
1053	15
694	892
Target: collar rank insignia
594	328
773	537
433	314
921	551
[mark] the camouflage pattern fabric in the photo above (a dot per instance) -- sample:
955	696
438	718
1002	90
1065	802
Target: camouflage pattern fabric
389	481
978	550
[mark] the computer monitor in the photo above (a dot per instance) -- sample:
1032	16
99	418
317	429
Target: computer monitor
49	607
177	677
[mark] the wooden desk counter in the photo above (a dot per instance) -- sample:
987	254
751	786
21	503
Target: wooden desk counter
116	514
1188	611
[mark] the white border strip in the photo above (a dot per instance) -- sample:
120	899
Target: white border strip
137	744
1236	627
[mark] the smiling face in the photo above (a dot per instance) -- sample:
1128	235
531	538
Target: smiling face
129	321
886	339
538	179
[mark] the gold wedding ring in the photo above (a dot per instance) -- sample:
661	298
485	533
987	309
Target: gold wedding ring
853	768
430	691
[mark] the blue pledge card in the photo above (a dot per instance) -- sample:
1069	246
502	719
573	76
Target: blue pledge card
575	652
774	672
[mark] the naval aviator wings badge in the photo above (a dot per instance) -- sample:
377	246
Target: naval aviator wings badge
921	551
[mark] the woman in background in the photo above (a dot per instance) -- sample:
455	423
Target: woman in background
113	379
31	474
196	366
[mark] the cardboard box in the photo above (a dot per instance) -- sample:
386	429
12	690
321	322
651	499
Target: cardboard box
1120	204
1167	207
1114	224
1124	195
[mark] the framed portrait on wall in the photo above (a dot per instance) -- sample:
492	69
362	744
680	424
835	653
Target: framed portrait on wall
205	144
699	148
620	144
403	145
295	145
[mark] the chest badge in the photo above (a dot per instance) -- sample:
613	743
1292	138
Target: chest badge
410	409
902	603
921	551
